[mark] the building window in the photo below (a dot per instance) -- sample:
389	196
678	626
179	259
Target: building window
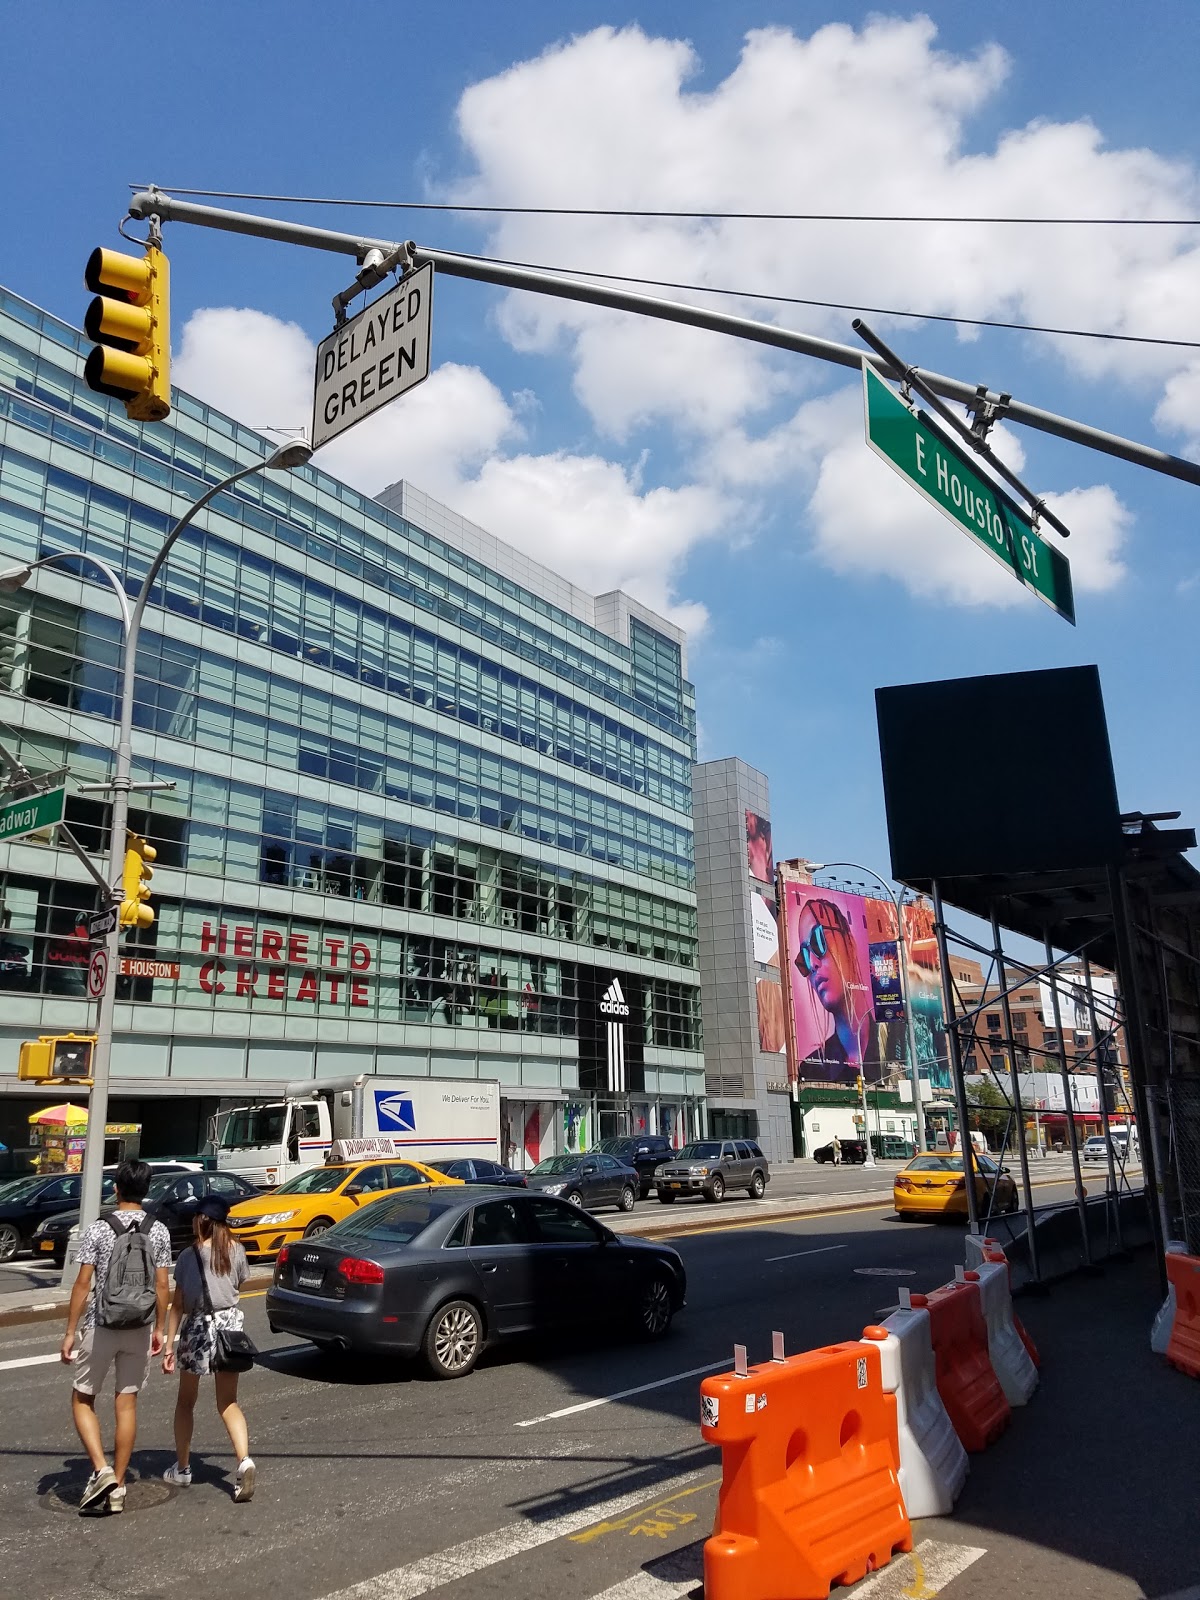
993	1022
1018	1019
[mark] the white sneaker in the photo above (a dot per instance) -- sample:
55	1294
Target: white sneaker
180	1476
243	1488
99	1484
116	1499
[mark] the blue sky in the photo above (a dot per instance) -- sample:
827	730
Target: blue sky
727	484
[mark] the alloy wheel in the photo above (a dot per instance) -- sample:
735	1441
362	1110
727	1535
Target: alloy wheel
456	1342
656	1308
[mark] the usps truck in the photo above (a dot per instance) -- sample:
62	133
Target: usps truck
431	1119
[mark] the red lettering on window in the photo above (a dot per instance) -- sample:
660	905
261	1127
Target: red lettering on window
243	941
247	977
298	948
212	939
308	987
277	983
360	957
358	992
335	981
272	945
333	946
209	977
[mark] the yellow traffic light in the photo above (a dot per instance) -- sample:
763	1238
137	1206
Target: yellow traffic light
858	1084
57	1058
130	321
135	882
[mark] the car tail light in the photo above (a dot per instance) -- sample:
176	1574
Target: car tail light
959	1183
356	1271
903	1183
284	1254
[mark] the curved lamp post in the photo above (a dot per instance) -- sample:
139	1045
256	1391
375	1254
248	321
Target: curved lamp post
283	459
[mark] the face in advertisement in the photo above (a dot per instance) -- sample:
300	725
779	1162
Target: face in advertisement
831	986
758	848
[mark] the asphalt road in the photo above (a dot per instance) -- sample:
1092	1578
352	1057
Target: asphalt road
541	1472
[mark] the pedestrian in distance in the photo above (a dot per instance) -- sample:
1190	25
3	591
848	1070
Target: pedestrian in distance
119	1309
837	1151
208	1276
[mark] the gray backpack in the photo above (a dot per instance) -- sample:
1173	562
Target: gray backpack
128	1296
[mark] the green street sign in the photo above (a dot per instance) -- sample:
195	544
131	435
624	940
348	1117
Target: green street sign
32	813
944	473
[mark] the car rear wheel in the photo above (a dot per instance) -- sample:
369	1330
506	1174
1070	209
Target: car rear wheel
665	1199
10	1241
628	1199
318	1226
758	1186
655	1310
453	1340
716	1190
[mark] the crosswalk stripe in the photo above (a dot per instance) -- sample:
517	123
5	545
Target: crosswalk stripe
924	1573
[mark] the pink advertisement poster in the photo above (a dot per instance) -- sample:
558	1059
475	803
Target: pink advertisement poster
829	962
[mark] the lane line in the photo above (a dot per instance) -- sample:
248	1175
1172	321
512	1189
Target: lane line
28	1361
489	1549
621	1394
669	1577
823	1251
924	1573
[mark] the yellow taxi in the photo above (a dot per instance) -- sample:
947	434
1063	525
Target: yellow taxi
934	1185
315	1199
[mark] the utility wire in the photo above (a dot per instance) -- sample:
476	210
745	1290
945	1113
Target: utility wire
688	216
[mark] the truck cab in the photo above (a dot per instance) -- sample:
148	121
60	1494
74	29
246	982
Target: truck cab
268	1144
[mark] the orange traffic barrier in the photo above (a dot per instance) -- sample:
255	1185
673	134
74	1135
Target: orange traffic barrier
1183	1347
810	1493
993	1250
966	1379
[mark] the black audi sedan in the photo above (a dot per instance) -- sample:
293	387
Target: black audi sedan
448	1271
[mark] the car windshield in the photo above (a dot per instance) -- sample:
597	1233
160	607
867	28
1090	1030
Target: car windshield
615	1147
318	1180
556	1164
18	1189
159	1186
253	1125
702	1150
397	1220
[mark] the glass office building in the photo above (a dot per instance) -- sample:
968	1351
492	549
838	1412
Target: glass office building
431	804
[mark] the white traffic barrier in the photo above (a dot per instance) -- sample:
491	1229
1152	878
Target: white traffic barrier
981	1247
1164	1321
1010	1359
933	1463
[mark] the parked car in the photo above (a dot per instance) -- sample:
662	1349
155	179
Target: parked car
473	1170
172	1199
22	1210
854	1151
645	1152
591	1180
710	1167
446	1272
316	1198
935	1185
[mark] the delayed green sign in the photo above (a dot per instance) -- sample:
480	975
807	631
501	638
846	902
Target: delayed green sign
31	814
948	478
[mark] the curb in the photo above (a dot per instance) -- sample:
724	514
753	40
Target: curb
56	1310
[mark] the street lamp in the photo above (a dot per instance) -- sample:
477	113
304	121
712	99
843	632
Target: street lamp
287	456
905	999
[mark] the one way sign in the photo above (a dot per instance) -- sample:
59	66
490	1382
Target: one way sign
101	923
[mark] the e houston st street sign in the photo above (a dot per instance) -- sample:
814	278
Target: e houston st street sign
949	480
374	357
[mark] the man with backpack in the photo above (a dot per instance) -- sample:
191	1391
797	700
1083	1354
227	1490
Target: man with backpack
119	1305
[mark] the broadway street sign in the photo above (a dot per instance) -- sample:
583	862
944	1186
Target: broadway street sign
374	357
948	478
32	813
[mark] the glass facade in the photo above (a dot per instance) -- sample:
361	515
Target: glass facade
413	799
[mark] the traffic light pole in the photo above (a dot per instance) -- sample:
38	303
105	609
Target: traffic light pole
120	785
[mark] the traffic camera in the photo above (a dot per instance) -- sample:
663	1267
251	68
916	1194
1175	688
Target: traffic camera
135	882
130	322
57	1058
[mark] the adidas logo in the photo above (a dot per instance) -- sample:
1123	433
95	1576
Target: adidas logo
612	1003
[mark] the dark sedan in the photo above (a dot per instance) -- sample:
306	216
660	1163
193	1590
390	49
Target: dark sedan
853	1152
590	1180
171	1199
445	1273
474	1170
645	1151
21	1210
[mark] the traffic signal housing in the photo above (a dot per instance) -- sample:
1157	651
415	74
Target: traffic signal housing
57	1058
135	882
130	322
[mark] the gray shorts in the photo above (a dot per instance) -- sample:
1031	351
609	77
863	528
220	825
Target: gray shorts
126	1350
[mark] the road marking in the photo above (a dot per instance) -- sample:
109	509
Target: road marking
621	1394
671	1577
822	1251
922	1575
885	1272
658	1520
489	1549
29	1361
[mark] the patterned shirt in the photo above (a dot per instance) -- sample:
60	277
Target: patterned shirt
96	1247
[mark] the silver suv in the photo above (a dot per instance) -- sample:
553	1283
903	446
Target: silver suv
712	1166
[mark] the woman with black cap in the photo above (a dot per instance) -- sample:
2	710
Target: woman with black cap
207	1279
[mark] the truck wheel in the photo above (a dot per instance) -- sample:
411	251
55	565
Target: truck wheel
716	1190
665	1199
318	1226
757	1187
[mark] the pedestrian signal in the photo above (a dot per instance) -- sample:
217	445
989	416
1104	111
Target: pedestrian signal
57	1058
135	882
130	322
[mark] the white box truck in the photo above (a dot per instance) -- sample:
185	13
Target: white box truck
429	1118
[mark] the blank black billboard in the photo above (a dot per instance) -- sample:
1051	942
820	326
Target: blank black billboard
1001	774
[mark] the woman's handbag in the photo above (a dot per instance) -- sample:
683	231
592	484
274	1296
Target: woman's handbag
233	1350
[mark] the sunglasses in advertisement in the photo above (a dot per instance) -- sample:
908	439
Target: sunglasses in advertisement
813	948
